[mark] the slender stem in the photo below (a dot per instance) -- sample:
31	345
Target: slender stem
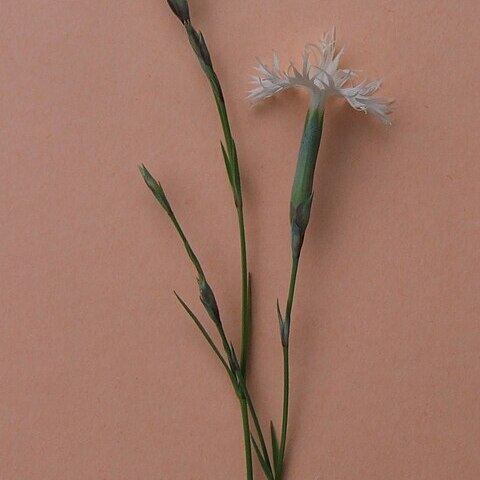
245	295
201	50
239	387
258	428
186	243
237	191
246	436
208	338
291	290
286	387
222	111
286	369
234	176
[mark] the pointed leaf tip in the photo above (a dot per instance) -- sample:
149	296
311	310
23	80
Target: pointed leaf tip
275	448
262	460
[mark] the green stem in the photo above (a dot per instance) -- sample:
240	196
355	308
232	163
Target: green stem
234	175
300	205
208	338
245	295
246	436
186	243
286	369
233	171
239	387
291	290
231	161
286	387
256	422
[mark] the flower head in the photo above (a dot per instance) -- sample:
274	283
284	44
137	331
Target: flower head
321	76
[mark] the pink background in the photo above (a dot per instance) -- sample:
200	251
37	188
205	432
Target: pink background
102	376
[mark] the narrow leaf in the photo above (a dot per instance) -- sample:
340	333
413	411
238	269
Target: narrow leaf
280	319
262	461
248	325
249	302
249	306
228	165
275	449
237	184
207	337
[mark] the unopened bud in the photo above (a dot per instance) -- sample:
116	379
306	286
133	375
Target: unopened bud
208	299
180	9
156	189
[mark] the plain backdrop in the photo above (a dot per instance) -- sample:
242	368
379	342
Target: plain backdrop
102	376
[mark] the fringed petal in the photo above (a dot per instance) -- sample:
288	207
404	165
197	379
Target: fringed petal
321	76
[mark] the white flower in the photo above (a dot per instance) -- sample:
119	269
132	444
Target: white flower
321	76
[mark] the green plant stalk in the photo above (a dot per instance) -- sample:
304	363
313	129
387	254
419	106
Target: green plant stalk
209	340
200	48
238	384
246	438
264	452
233	171
159	194
237	380
246	294
300	205
286	371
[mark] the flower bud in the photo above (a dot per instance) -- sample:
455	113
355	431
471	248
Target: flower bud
208	299
180	9
156	189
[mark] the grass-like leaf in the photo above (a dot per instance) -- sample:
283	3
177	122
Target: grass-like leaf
275	449
208	338
262	461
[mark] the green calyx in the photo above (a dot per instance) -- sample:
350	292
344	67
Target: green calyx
302	189
307	158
